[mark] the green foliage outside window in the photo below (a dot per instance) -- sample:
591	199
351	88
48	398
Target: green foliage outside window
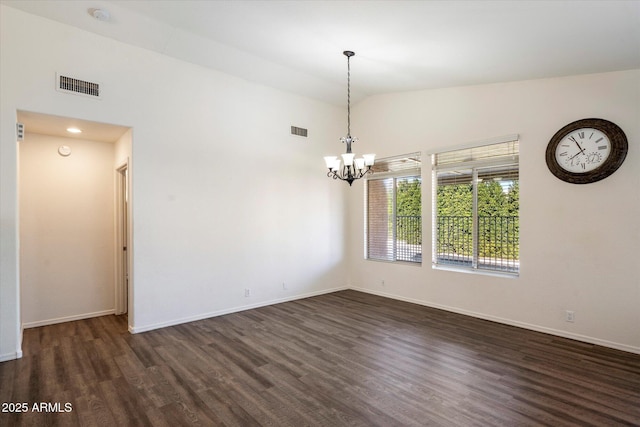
455	225
498	220
409	210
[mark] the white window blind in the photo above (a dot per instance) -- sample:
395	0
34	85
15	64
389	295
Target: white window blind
407	164
393	226
380	219
484	153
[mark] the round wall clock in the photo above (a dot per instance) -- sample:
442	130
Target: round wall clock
586	151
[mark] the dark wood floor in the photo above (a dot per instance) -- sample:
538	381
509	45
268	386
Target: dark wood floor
346	358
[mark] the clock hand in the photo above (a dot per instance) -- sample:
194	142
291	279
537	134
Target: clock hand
579	152
579	147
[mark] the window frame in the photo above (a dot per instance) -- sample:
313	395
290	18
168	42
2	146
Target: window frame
473	166
395	171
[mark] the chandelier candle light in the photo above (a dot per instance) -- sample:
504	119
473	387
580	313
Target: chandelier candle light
349	169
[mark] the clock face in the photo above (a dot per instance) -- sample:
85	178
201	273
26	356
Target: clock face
586	151
583	150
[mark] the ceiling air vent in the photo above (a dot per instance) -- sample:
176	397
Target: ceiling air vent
79	87
298	131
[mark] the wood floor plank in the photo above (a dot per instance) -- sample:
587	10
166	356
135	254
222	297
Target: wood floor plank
340	359
121	399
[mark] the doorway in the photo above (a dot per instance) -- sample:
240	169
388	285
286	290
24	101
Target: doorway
75	222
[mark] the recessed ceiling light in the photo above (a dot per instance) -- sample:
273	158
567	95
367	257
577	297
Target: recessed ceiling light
100	14
74	130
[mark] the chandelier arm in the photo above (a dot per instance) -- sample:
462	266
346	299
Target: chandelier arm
363	172
349	173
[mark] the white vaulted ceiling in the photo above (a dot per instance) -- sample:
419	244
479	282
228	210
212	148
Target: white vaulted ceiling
400	45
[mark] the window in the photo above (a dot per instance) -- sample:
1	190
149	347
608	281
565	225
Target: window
393	211
476	207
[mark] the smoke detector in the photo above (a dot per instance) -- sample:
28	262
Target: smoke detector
100	14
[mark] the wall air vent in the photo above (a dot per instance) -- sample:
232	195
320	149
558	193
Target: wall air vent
65	83
298	131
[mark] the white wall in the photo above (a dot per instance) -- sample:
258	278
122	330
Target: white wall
579	244
66	229
224	198
122	149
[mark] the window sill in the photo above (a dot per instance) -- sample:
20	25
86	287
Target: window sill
415	264
493	273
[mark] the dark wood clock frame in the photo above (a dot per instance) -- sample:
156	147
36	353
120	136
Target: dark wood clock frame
619	147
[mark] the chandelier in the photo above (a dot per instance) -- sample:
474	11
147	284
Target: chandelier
349	169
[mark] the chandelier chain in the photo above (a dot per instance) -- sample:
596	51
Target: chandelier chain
348	96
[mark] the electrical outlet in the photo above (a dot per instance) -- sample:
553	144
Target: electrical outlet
382	283
284	286
247	292
570	316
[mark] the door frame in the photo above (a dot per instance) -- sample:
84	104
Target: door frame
123	239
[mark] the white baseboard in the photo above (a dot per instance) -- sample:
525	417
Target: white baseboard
10	356
537	328
67	319
145	328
